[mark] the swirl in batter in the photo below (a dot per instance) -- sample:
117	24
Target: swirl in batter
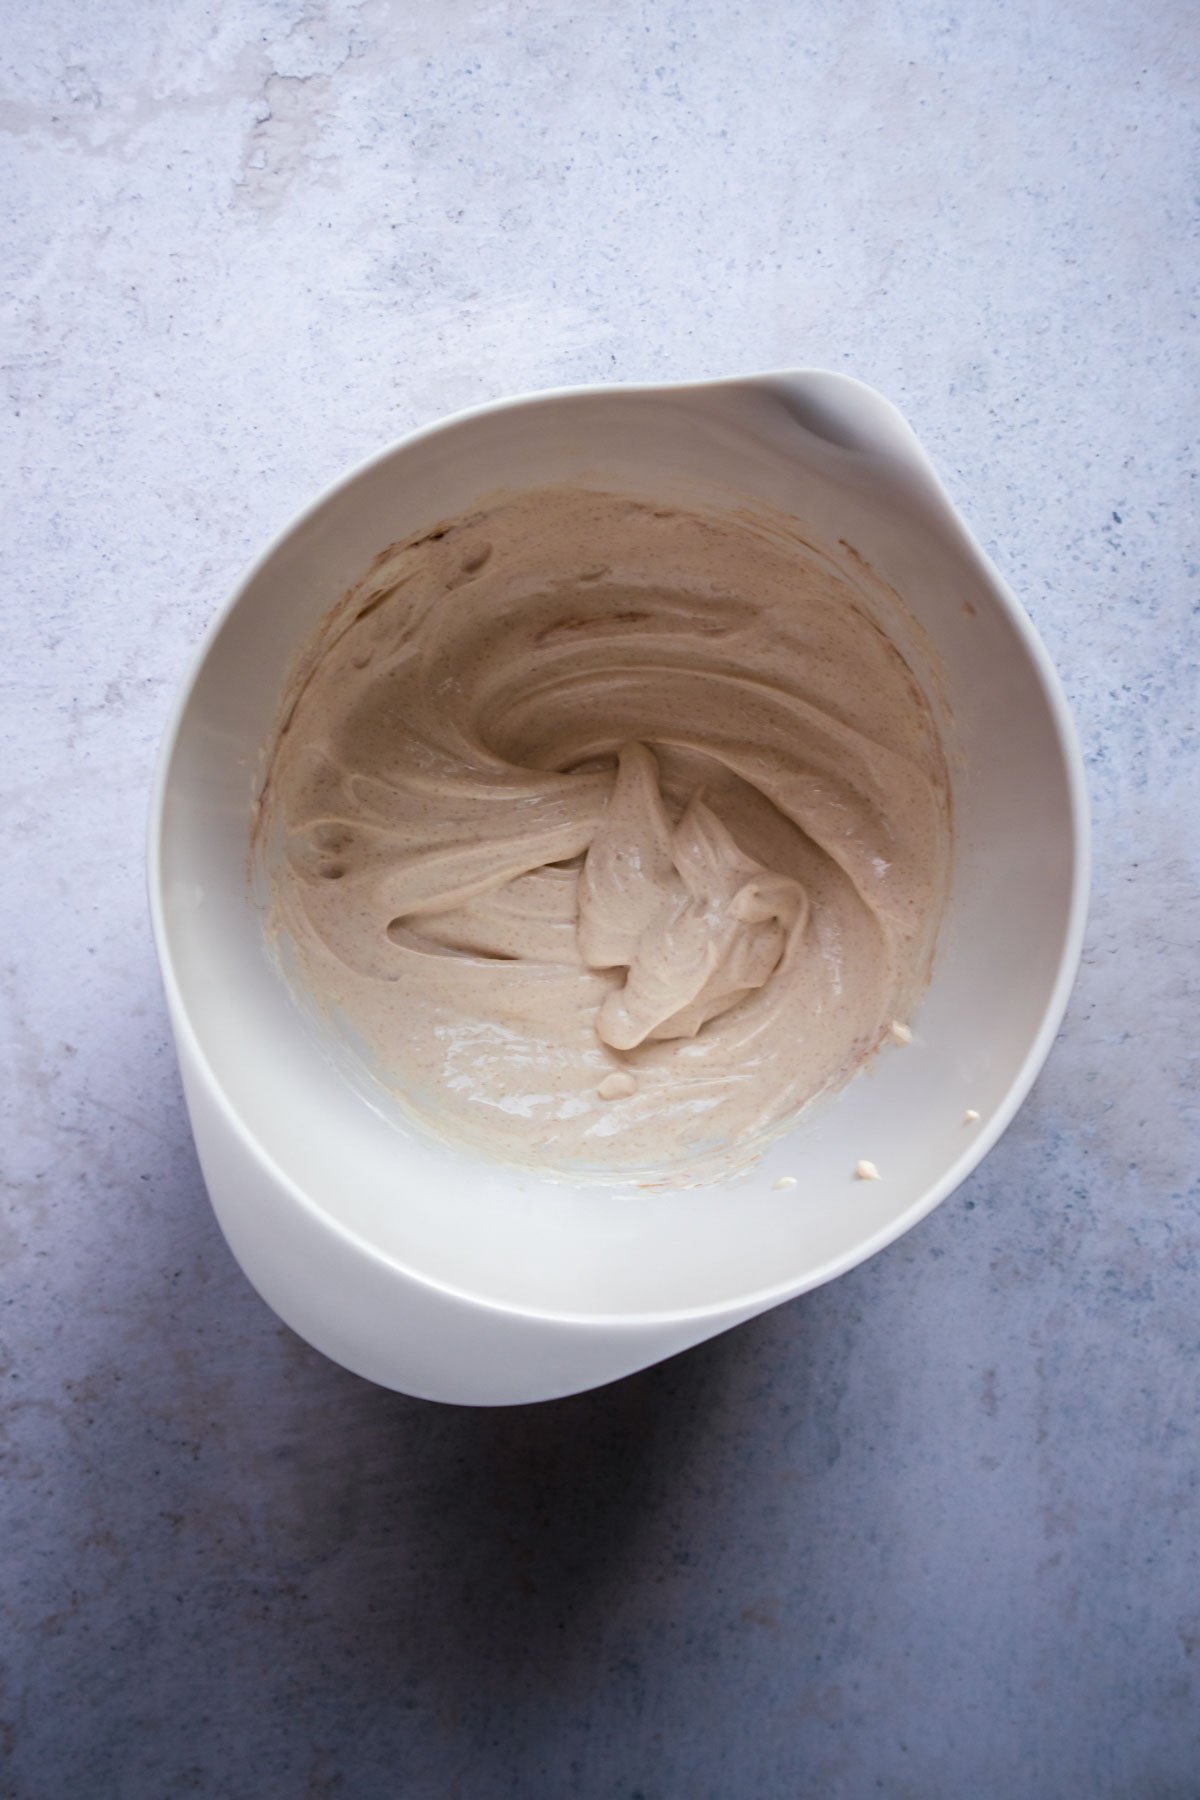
614	833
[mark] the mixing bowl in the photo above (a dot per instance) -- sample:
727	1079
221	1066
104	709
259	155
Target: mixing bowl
440	1273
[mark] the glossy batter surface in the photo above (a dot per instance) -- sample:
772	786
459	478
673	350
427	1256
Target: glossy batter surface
614	833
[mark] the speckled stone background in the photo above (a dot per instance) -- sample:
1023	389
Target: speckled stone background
933	1531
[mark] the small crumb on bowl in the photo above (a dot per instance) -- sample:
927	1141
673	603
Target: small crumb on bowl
901	1033
970	1117
785	1181
617	1086
866	1171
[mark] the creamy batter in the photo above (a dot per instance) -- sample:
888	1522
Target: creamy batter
613	833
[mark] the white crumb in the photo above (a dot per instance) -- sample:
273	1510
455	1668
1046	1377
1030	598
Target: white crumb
970	1117
866	1171
785	1181
901	1033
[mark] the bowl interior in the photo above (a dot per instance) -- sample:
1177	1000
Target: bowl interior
1004	957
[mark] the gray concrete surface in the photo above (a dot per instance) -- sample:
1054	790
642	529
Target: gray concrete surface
929	1534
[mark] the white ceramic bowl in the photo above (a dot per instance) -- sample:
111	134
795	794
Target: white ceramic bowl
442	1275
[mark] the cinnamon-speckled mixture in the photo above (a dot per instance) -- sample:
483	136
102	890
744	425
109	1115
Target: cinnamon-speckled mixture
615	833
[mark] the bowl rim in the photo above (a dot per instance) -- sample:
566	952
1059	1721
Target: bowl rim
760	1299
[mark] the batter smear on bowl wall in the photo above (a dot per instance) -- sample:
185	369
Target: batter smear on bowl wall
613	833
